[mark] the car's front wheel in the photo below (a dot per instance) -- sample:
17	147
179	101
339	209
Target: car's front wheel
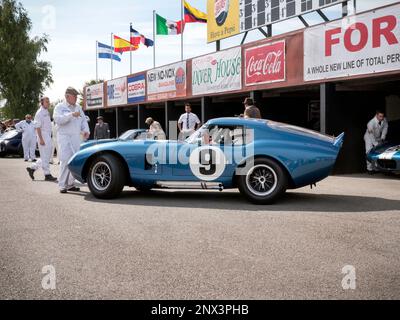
264	182
106	177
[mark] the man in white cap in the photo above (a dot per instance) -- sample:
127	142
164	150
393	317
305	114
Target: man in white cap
71	122
43	131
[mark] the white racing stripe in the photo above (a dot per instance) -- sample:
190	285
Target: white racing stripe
389	153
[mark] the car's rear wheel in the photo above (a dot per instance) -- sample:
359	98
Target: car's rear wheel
106	177
264	182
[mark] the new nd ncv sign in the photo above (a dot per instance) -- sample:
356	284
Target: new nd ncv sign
228	18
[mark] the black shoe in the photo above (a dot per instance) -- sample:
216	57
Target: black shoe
74	189
371	172
63	191
50	178
34	160
26	160
31	172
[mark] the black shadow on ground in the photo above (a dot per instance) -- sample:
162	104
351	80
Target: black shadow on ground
291	202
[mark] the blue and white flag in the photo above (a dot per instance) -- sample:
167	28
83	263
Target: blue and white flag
106	52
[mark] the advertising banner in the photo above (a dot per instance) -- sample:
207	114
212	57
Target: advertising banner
364	44
117	93
223	19
137	89
265	63
95	96
167	82
217	72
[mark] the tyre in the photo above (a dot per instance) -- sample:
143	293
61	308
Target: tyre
106	177
264	183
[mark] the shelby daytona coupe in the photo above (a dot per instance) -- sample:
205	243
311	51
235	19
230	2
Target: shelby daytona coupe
385	158
260	157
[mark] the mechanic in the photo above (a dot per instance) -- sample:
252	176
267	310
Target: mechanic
27	128
188	123
43	131
102	130
71	122
155	129
251	111
377	130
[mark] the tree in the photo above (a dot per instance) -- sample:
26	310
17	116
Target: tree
23	77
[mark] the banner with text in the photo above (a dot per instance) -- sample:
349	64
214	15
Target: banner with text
95	96
167	82
364	44
117	93
217	72
265	64
136	89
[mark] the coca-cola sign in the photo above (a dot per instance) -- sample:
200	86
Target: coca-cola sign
265	64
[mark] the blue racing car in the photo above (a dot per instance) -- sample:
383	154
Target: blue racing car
260	157
386	158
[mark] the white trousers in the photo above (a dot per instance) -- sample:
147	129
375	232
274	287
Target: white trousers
29	146
67	147
45	154
369	145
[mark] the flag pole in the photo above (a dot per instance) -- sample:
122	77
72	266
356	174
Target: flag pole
112	48
130	51
183	28
97	61
154	38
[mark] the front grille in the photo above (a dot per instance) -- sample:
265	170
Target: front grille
387	164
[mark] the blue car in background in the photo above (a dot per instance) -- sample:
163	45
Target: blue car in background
11	144
260	157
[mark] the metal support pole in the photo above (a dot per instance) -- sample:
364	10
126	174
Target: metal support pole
218	45
265	34
244	37
355	6
117	122
304	21
345	9
326	100
322	15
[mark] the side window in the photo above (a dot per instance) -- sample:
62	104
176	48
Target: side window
227	135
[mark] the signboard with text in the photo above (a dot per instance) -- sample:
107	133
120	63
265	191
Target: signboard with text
117	93
265	64
95	96
137	89
217	72
365	44
231	17
167	82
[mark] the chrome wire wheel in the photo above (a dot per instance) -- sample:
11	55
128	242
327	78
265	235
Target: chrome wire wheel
101	176
262	180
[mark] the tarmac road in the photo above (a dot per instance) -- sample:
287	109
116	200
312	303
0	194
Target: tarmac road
199	245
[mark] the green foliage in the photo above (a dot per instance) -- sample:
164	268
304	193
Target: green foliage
23	77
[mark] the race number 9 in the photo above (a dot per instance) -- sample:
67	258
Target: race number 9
207	163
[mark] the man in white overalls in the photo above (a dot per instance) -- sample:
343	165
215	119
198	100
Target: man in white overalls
71	122
377	130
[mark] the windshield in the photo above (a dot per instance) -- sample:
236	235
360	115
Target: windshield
129	135
9	135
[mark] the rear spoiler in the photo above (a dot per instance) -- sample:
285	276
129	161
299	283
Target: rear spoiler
339	141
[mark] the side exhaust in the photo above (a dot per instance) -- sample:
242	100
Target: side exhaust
190	185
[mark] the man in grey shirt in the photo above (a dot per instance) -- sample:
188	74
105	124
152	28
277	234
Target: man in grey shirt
102	130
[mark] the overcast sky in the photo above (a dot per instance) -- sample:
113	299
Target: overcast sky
73	27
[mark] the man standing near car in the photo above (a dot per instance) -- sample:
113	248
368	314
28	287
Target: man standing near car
43	131
27	128
188	123
102	130
251	111
71	122
377	130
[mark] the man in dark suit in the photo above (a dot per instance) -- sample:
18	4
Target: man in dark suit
102	130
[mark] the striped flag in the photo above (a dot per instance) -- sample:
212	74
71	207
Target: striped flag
168	27
122	45
106	52
193	15
137	39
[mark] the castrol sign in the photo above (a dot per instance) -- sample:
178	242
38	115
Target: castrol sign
265	64
357	45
